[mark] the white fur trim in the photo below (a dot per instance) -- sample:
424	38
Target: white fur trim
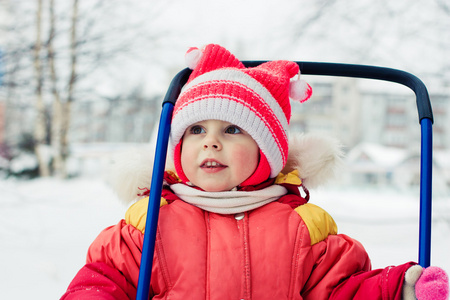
131	171
317	158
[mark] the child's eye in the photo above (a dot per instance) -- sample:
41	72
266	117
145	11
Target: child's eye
196	129
233	129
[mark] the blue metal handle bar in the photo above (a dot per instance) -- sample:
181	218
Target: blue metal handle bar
309	68
148	247
426	170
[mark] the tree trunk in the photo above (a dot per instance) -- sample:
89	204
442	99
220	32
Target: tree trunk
61	109
58	161
66	111
40	126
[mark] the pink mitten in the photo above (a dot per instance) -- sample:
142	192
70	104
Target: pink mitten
425	284
432	284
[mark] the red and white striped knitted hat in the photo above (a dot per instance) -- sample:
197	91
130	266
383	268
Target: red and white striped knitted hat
255	99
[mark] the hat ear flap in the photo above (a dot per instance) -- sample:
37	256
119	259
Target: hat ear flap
261	173
177	162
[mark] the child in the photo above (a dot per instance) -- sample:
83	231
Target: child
233	223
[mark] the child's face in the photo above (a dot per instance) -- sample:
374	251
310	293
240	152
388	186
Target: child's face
217	156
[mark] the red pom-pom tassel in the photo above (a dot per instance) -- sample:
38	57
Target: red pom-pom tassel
300	90
192	57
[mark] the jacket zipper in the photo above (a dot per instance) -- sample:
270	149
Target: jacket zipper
242	223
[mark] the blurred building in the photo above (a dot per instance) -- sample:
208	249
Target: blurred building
118	120
334	109
378	124
367	111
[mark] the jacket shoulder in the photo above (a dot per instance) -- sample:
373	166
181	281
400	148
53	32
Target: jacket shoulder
320	224
136	214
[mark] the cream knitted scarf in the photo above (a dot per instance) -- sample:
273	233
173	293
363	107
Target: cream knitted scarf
229	202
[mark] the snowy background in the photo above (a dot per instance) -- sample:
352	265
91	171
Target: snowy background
47	224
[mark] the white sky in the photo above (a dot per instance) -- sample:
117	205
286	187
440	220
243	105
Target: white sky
407	34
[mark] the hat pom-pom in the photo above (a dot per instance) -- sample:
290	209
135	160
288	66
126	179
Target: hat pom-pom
192	57
300	90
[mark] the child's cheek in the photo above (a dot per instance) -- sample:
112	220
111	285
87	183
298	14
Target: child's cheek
245	157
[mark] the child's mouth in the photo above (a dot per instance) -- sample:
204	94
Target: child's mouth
212	166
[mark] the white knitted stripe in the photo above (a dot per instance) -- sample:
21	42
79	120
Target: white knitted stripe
234	112
265	107
245	80
271	120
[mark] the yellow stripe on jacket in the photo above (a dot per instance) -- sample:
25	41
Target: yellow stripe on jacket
320	224
136	215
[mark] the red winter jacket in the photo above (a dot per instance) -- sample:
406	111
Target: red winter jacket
273	252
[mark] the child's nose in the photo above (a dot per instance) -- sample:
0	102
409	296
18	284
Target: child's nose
212	143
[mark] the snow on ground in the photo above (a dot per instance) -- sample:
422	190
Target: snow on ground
46	226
